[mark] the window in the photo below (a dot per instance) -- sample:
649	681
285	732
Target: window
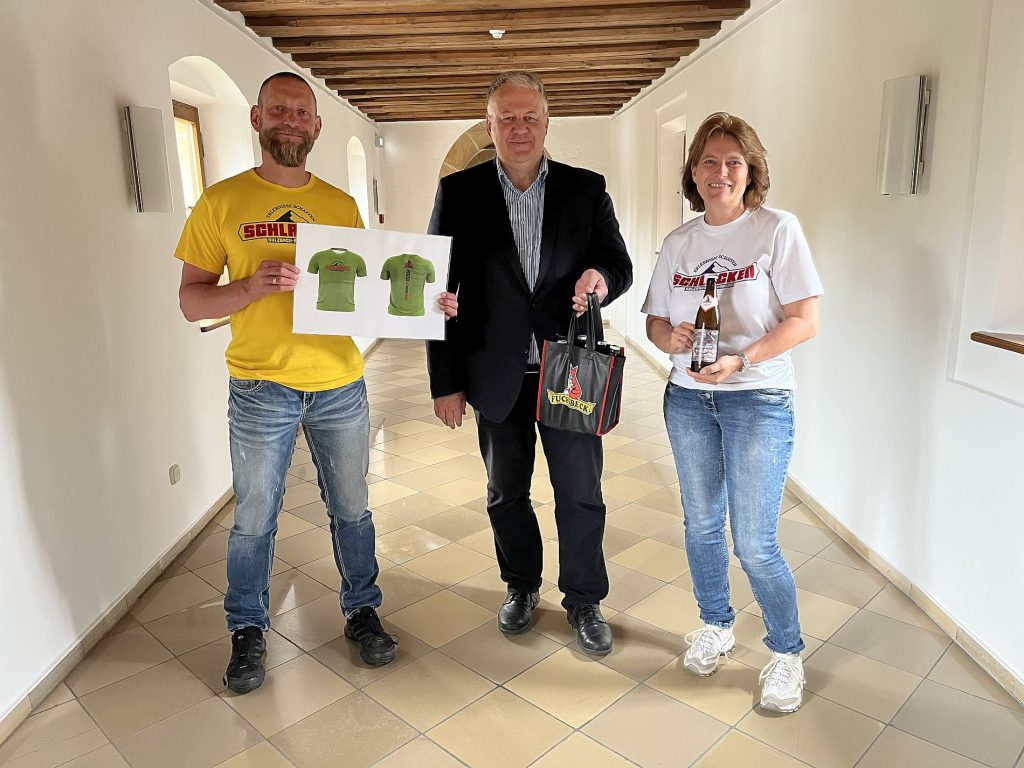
190	152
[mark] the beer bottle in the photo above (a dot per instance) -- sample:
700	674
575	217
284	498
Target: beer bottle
705	328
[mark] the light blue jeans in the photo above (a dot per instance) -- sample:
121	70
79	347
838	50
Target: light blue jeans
263	419
732	451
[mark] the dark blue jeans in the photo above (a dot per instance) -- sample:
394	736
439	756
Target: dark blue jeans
263	419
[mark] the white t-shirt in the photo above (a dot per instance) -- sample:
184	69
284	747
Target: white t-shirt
761	261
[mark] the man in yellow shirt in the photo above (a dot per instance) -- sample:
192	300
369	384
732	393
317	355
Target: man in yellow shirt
278	379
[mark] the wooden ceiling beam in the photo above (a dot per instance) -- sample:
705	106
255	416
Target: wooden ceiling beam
443	92
381	76
428	7
482	81
634	54
481	41
541	20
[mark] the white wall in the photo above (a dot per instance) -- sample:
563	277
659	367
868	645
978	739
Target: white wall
917	465
103	385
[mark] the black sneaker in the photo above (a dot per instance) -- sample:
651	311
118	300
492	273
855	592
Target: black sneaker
245	671
376	646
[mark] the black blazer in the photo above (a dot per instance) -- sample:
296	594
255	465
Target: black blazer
485	348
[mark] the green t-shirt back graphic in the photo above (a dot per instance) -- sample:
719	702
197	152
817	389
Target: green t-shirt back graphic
338	269
407	273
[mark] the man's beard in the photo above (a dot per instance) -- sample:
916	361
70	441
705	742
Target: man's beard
287	153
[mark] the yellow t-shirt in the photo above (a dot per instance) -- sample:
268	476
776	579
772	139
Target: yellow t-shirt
239	223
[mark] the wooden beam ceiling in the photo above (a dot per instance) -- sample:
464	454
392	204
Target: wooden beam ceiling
430	59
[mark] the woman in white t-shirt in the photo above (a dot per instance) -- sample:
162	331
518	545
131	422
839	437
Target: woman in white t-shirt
731	425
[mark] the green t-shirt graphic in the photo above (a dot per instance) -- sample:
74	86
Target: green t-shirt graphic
407	273
338	269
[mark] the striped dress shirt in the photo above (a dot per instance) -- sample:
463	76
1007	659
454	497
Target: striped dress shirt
526	215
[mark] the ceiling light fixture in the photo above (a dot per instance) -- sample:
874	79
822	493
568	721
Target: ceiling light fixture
497	34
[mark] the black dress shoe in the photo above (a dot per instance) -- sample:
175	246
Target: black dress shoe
593	635
245	671
516	612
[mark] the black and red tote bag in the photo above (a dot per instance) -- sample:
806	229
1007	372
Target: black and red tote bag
581	378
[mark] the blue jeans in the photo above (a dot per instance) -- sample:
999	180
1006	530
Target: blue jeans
732	451
263	419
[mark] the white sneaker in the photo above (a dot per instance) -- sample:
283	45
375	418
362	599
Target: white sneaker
782	683
707	645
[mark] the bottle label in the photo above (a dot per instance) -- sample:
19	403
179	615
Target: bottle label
705	346
708	303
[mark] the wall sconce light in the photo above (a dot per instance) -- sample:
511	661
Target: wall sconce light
379	141
901	139
147	159
497	34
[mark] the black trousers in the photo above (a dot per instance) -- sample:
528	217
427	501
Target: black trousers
575	462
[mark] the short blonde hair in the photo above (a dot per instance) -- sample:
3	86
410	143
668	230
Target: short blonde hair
523	80
754	153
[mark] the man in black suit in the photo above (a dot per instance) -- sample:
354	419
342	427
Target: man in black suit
531	238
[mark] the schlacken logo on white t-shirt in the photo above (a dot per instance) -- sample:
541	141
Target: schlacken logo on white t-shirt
727	273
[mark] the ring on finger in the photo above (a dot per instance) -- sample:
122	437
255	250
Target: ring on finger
275	281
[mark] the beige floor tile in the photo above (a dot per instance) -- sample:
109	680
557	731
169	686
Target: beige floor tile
977	728
289	525
486	588
325	571
419	753
637	727
172	595
54	736
740	593
115	658
638	447
127	622
263	755
315	512
627	488
958	670
386	492
549	618
570	686
820	616
455	523
393	466
862	684
304	547
613	442
821	733
104	757
313	624
203	735
652	472
839	582
896	605
429	690
800	513
617	540
670	608
341	656
664	500
737	749
450	564
617	463
208	662
469	734
578	750
305	472
300	495
674	535
59	695
808	539
130	705
499	657
728	695
640	519
460	491
892	642
441	618
896	749
842	553
627	587
468	466
413	508
293	588
640	649
408	542
401	587
426	478
354	732
208	547
433	454
295	690
403	446
190	629
217	577
482	541
300	456
410	428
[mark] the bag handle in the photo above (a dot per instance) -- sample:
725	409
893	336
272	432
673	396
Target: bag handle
595	329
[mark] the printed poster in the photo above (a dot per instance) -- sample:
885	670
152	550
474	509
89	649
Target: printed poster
369	282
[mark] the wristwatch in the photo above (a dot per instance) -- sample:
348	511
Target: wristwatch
744	361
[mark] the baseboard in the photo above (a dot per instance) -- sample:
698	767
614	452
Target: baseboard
102	625
959	634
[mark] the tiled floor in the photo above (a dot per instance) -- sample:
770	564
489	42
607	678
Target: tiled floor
885	688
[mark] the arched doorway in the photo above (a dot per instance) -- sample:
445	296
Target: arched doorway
357	185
